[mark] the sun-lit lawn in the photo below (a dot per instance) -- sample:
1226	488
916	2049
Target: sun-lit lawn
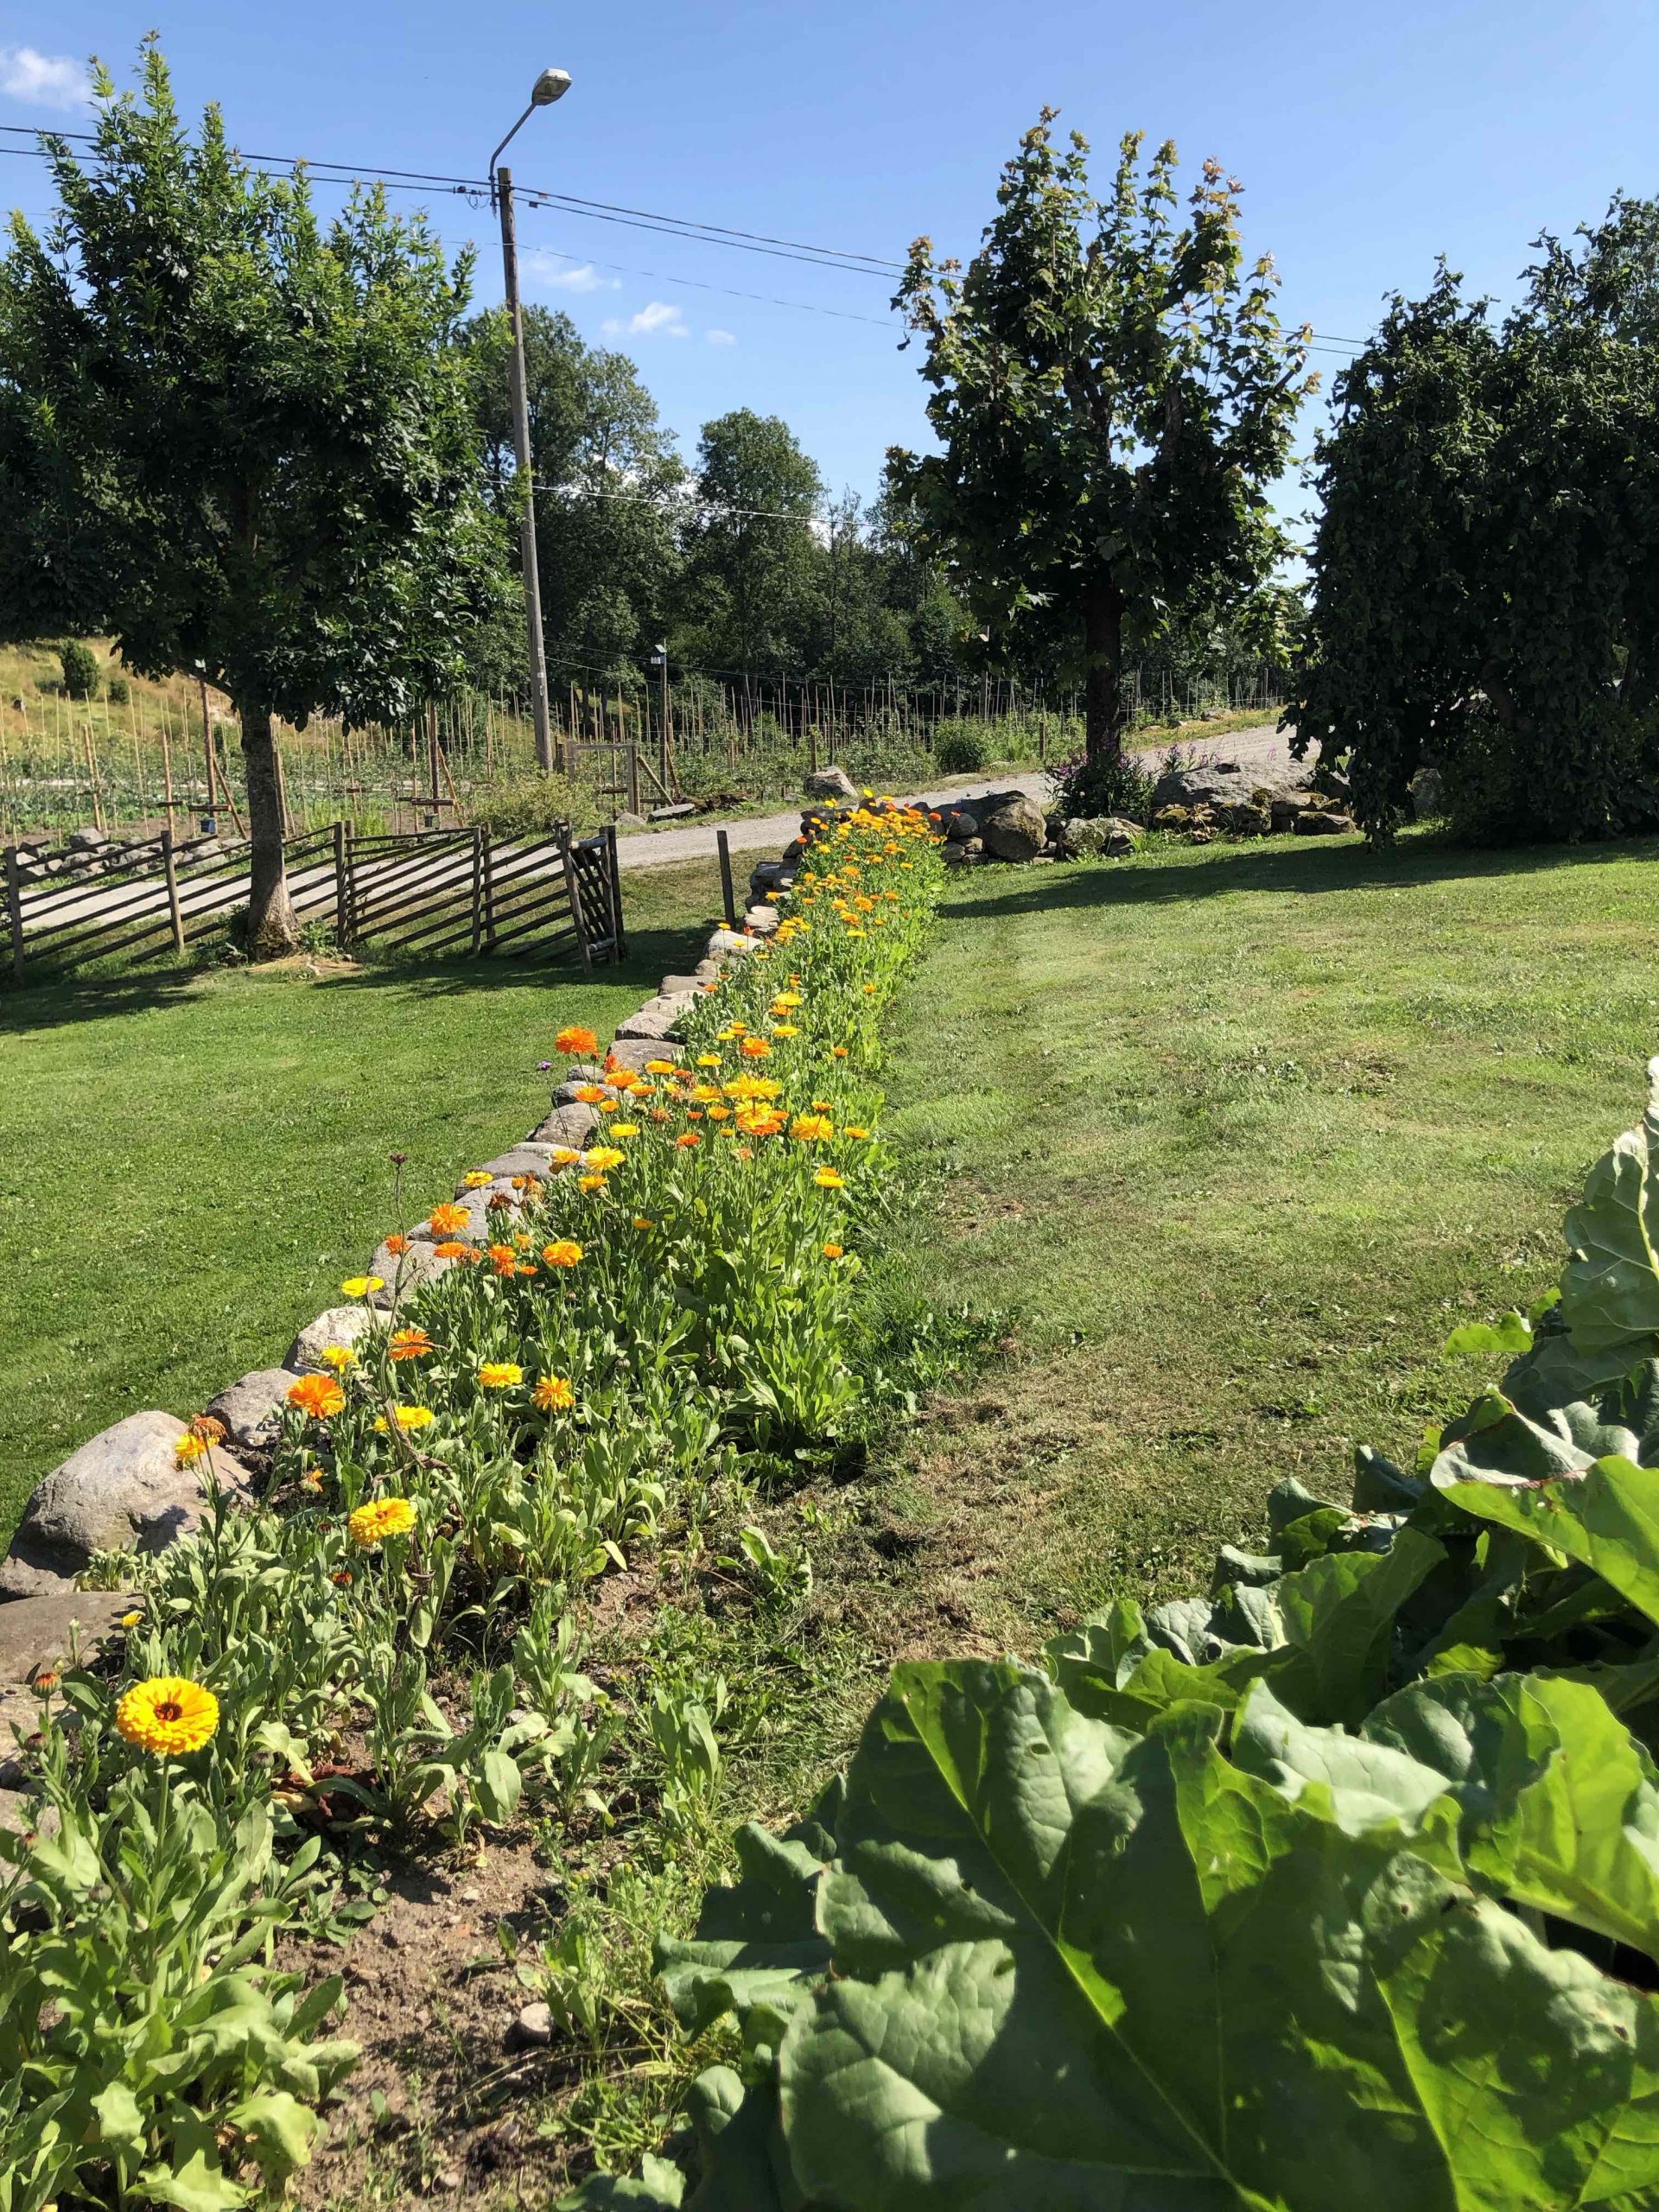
1243	1131
189	1164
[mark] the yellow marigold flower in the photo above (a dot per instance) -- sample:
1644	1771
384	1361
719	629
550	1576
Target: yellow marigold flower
785	999
499	1375
709	1059
131	1620
553	1395
561	1253
478	1178
381	1517
603	1156
720	1113
360	1286
838	1051
852	1129
592	1183
565	1156
445	1220
812	1128
610	1106
408	1418
828	1178
834	1251
168	1715
339	1357
189	1448
317	1395
869	990
409	1343
644	1220
754	1048
624	1129
785	1029
575	1043
659	1067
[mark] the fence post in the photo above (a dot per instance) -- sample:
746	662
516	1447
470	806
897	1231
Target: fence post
721	840
15	910
342	890
489	894
172	913
478	891
634	778
618	942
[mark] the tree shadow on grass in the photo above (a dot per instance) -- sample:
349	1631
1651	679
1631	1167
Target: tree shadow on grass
57	1003
1307	866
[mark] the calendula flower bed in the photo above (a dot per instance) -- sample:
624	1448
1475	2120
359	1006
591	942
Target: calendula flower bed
674	1310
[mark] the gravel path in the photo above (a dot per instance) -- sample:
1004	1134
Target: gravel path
1255	749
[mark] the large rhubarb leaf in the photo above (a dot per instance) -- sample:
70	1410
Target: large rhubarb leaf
1084	1971
1495	1441
1607	1518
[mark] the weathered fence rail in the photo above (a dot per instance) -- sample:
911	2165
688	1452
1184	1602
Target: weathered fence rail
428	894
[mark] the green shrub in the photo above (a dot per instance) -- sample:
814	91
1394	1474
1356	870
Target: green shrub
81	673
962	750
117	691
1085	790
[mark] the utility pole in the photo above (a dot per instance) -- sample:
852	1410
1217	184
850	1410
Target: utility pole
551	85
665	735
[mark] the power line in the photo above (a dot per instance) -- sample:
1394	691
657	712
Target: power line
767	299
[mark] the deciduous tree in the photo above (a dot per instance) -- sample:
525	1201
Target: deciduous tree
251	434
1113	396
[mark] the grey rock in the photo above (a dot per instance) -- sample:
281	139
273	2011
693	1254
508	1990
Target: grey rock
656	1019
627	820
529	1158
1323	823
122	1491
830	783
42	1631
1015	832
725	944
769	876
533	2026
567	1126
967	854
681	810
86	840
763	920
633	1052
681	987
794	850
251	1407
404	1272
1213	782
1106	835
1428	799
959	825
339	1325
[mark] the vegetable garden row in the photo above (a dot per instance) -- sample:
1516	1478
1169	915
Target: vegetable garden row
1339	1884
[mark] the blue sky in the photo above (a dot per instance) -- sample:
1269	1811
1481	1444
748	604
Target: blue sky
1368	140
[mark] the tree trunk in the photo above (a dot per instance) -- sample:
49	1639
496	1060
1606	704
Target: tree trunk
272	930
1102	707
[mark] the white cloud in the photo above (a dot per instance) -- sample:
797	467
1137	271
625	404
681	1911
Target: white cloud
655	320
545	269
44	79
721	337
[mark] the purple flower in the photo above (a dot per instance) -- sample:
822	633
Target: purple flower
542	1066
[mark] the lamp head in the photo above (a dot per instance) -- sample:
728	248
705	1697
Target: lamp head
552	85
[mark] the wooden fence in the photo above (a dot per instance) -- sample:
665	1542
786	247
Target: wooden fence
420	894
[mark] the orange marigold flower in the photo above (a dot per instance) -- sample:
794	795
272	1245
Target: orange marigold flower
644	1220
834	1251
852	1129
684	1143
208	1428
397	1246
575	1043
838	1051
502	1259
552	1394
318	1396
720	1113
754	1048
445	1220
592	1094
409	1343
451	1250
563	1252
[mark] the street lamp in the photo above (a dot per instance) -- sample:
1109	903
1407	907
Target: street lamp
551	85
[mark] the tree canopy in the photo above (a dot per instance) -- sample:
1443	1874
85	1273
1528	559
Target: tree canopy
242	442
1113	396
1485	570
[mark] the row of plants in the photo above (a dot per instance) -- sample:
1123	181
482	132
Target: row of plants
387	1652
1337	1886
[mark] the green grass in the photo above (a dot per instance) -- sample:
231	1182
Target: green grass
1242	1131
190	1163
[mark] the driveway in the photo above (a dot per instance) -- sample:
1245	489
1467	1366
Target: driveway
1263	747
